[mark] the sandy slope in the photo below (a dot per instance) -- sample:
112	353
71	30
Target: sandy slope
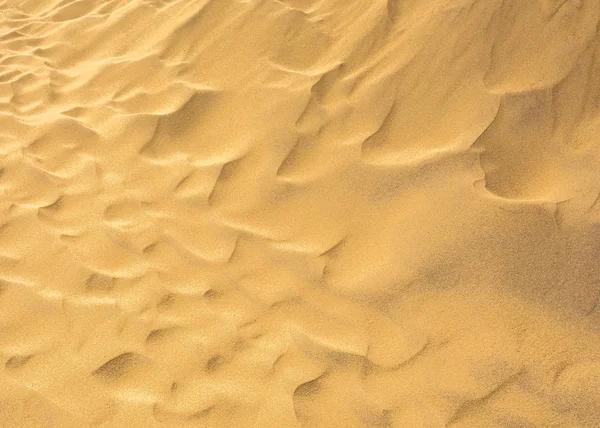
300	213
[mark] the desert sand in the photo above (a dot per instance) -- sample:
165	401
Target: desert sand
300	213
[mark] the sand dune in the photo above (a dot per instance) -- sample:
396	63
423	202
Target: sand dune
300	213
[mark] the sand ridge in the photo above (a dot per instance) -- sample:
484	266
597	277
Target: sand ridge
299	213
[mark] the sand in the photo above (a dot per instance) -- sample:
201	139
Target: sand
300	213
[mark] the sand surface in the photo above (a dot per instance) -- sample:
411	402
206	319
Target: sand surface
300	213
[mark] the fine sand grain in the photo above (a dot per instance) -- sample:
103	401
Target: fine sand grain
300	213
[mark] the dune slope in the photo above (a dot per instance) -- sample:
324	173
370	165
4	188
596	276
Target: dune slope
300	213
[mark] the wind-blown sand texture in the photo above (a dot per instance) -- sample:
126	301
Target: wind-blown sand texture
300	213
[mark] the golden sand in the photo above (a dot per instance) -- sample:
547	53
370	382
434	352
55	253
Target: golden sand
300	213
